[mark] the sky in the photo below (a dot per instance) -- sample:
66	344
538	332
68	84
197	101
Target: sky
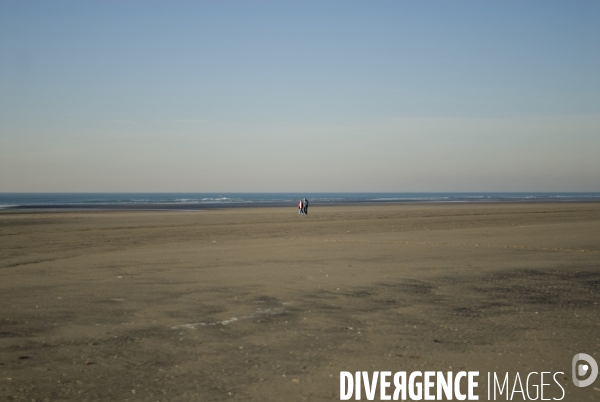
272	96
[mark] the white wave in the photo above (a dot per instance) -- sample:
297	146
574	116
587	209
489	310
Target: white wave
216	199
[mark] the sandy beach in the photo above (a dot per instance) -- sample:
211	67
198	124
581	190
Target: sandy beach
261	304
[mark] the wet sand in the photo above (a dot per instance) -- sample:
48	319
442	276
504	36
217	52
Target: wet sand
265	305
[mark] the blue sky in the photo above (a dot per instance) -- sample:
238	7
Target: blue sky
299	96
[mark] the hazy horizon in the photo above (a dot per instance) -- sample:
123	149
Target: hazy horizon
209	97
302	193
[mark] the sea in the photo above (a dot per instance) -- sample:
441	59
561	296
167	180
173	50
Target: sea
200	201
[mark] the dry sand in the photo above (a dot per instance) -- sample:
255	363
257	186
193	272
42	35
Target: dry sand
266	305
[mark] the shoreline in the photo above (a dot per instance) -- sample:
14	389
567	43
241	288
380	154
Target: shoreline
208	201
217	206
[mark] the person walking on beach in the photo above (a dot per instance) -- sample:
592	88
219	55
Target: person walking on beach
300	208
305	206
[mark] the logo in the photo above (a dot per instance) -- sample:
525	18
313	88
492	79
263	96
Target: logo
582	369
438	385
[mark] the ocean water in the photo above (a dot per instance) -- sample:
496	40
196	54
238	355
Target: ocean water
194	201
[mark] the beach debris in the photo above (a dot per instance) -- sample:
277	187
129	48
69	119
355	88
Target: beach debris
258	313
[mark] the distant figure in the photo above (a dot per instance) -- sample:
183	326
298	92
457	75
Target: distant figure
300	208
305	206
